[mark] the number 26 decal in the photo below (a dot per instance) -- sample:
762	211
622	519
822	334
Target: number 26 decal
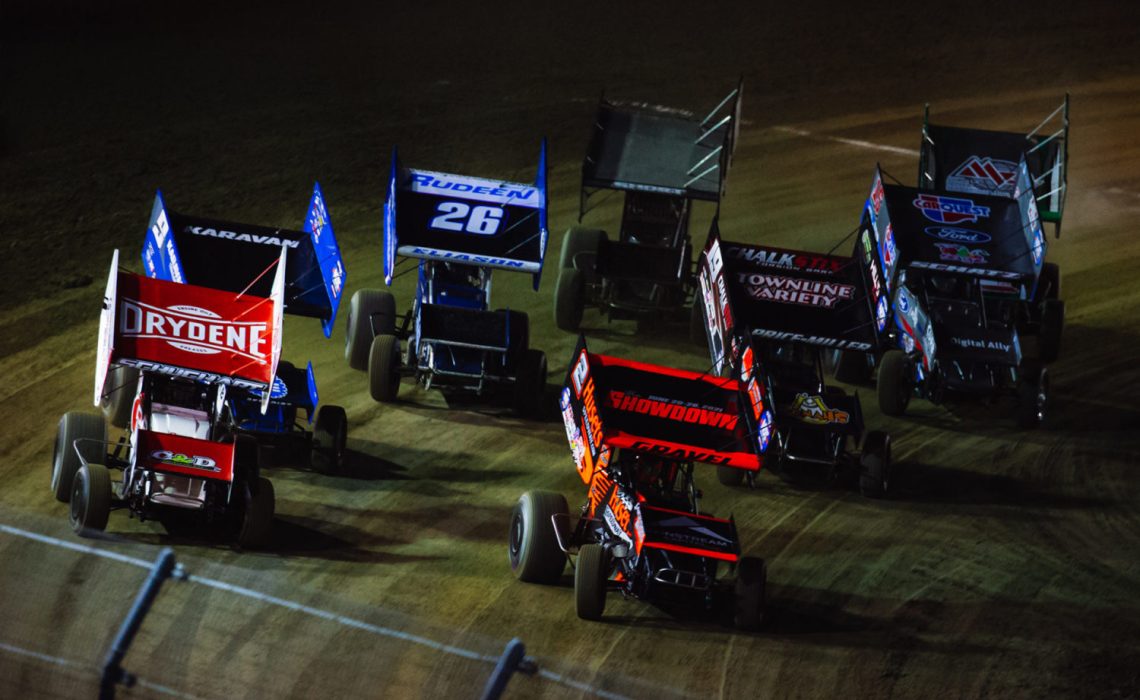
458	216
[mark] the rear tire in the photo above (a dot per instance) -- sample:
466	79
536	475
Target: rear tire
875	465
895	384
730	476
530	384
1050	281
569	299
257	515
580	240
369	309
90	499
384	368
330	433
1032	397
118	402
532	547
751	593
590	577
65	462
1052	325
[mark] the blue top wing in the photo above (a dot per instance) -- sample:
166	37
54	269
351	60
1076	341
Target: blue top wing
465	220
237	257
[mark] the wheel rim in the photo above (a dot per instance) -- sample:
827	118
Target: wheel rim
78	502
56	462
515	545
1041	398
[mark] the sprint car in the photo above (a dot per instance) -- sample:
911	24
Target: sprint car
978	161
458	229
661	160
635	432
235	257
952	278
771	316
183	460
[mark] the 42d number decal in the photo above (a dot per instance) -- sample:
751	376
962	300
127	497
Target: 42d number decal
460	216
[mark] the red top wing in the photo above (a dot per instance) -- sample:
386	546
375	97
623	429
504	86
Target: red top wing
196	328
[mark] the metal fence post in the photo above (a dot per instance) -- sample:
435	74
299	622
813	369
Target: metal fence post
514	658
113	672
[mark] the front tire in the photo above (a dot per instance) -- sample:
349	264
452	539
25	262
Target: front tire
90	499
875	465
751	593
895	384
590	577
65	462
371	313
384	368
532	546
330	433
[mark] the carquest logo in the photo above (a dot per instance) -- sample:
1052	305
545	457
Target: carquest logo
949	210
957	235
180	460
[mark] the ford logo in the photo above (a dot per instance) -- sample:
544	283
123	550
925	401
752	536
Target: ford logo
957	235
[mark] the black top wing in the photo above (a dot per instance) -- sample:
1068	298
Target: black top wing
654	149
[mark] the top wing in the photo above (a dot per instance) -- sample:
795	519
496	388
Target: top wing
237	257
465	220
190	331
610	402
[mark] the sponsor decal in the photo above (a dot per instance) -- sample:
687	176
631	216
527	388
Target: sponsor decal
881	314
877	194
715	258
593	421
277	391
469	258
192	329
599	492
681	454
981	344
812	409
904	302
812	339
1038	247
242	237
620	507
173	263
573	434
957	235
890	252
792	290
475	188
983	176
160	228
981	272
579	374
787	260
623	185
181	460
764	431
713	417
949	210
194	374
961	254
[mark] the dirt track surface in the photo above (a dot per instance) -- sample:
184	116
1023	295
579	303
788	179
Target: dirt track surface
1007	566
